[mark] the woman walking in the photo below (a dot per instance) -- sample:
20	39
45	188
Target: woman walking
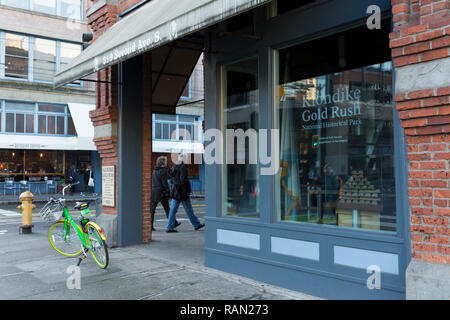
160	189
181	191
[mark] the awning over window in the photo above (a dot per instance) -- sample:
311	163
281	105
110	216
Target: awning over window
153	25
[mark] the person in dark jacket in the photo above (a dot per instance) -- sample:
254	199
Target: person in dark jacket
160	189
180	193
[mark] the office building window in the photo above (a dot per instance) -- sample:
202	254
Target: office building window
16	56
176	127
65	8
44	66
20	65
45	6
22	117
19	116
71	9
21	4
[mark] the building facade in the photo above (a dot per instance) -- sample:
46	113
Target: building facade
43	132
345	104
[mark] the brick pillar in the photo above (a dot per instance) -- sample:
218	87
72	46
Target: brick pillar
147	147
104	117
420	45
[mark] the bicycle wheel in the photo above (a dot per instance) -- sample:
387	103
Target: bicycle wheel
99	249
66	243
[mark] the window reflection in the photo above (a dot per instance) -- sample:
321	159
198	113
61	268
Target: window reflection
16	56
335	115
240	112
44	60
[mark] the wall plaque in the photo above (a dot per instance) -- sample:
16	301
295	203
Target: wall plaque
108	186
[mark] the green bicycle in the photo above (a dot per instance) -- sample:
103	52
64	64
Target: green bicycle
88	236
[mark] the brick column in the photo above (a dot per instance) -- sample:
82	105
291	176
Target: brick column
147	147
420	45
102	15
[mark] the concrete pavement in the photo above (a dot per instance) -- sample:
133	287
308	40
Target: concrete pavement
170	267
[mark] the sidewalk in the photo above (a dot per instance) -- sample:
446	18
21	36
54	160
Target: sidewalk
170	267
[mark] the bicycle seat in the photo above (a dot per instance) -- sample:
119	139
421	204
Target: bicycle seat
81	205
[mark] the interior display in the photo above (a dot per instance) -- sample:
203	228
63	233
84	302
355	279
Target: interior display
335	115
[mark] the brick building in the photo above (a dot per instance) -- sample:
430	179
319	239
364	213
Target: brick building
363	119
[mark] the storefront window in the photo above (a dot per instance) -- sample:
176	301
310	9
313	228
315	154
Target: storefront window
11	162
335	115
240	116
44	162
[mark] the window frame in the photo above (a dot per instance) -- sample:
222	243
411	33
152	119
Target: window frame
30	58
36	113
57	10
222	104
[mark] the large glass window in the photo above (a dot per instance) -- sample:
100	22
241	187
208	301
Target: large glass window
67	53
71	9
25	117
41	65
44	67
21	4
65	8
16	56
11	162
240	117
45	6
335	115
19	117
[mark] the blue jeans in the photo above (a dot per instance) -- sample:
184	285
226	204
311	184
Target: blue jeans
174	205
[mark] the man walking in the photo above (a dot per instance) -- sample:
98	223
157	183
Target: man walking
160	189
181	191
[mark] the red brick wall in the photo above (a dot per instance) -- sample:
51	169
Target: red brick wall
106	97
146	149
421	34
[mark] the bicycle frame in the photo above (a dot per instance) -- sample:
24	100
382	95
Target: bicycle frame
81	234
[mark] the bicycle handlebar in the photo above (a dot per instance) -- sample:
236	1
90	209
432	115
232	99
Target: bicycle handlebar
68	186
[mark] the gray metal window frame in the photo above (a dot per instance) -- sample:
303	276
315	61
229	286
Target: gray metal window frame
36	114
31	47
57	11
196	127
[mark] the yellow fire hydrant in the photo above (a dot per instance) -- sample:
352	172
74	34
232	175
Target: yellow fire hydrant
27	207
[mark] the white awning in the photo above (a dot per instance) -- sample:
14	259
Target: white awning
152	25
40	142
81	120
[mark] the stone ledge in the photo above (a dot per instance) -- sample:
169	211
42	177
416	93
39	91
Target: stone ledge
108	222
427	281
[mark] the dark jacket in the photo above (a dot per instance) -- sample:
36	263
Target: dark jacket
181	187
160	187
